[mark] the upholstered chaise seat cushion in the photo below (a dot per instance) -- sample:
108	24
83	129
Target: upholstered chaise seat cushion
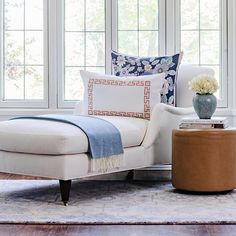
54	138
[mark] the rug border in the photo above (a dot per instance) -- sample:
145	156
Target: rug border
184	222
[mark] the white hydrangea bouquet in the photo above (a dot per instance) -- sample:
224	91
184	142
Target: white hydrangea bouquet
204	84
204	102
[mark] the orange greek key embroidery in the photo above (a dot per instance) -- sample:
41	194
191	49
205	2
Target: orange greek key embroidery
147	91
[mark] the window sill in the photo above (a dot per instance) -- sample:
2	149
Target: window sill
10	112
39	111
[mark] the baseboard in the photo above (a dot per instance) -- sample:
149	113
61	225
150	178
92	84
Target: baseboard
153	173
159	167
160	172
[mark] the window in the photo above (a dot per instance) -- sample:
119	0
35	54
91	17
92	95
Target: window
138	27
44	48
203	38
87	37
23	53
84	42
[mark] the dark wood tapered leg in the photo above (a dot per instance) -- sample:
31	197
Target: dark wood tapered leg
65	186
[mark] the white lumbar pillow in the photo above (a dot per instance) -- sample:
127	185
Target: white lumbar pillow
132	96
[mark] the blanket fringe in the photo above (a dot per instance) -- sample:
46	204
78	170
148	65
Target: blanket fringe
106	164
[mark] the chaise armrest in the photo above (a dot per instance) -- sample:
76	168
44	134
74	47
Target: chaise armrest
163	120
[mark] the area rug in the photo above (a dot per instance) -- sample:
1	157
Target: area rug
101	202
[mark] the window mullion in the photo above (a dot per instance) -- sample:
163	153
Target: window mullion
60	6
114	25
108	36
53	48
162	27
224	55
24	52
1	52
177	26
172	26
232	55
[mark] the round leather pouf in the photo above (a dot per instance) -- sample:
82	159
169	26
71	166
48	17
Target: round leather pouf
204	160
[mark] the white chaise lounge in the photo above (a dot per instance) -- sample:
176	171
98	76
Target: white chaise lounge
36	148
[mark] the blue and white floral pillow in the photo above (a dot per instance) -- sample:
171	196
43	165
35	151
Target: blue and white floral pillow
124	65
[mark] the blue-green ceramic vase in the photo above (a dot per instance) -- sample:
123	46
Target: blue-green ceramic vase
204	105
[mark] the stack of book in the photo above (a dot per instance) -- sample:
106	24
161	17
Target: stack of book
195	123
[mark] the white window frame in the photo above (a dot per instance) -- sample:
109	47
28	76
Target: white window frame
175	39
15	103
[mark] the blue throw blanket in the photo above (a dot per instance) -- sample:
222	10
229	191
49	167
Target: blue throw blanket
103	137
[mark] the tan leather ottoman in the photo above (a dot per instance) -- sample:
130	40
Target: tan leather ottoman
204	160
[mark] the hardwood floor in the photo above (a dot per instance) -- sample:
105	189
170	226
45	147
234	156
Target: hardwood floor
114	230
117	230
11	176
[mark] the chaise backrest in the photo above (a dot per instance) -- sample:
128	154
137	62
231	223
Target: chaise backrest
186	72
